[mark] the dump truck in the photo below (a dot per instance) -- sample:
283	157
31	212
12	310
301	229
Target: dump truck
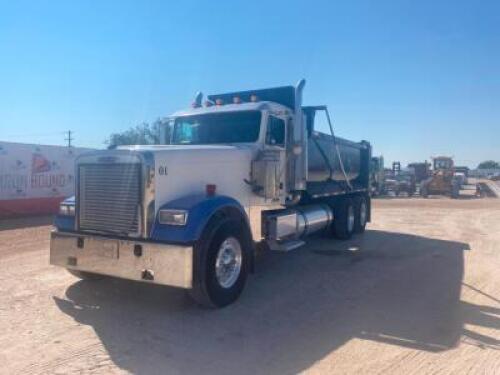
235	175
442	180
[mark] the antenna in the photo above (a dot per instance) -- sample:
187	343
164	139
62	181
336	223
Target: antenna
69	138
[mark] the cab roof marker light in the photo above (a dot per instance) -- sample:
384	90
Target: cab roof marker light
236	100
254	98
219	101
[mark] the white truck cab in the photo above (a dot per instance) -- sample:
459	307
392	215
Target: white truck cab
241	169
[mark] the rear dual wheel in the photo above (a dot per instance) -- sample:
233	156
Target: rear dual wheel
350	216
361	218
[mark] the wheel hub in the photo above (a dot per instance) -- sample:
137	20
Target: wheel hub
228	262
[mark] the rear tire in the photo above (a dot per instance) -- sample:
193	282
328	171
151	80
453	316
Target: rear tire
361	212
344	214
222	264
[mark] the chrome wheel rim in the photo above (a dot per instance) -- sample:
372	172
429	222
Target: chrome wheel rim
228	262
350	218
362	214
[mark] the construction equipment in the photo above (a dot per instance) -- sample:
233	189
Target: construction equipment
405	180
406	183
462	174
421	171
377	176
442	180
400	180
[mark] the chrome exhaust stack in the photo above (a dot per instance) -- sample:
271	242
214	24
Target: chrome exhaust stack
300	141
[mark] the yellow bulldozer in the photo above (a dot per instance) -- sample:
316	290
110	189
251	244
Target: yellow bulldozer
442	180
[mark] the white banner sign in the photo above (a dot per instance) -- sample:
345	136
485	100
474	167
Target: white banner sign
36	171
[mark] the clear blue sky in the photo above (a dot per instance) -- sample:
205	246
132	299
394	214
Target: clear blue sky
415	78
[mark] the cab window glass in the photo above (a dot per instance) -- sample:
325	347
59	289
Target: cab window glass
275	131
213	128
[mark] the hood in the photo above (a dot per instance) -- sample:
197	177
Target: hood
187	170
200	154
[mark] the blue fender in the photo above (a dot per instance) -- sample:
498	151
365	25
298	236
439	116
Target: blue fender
65	222
200	209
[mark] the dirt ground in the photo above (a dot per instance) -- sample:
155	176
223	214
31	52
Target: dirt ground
418	293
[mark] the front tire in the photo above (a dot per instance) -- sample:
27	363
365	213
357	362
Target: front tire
223	254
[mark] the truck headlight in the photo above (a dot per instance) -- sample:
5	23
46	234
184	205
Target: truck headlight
67	209
173	217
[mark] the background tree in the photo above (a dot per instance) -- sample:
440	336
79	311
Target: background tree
488	164
143	134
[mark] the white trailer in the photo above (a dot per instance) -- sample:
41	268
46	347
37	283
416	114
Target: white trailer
242	169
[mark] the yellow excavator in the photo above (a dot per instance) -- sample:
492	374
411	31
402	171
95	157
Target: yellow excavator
442	180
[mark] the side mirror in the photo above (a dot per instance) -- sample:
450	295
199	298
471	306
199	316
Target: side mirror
310	122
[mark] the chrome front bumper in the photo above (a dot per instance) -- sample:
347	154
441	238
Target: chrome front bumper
134	260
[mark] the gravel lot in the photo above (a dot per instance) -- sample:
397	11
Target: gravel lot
418	293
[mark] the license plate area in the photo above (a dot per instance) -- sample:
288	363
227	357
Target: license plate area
102	248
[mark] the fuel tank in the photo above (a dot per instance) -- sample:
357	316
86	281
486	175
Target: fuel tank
323	158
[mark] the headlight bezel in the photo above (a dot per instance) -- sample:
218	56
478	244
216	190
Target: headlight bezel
174	217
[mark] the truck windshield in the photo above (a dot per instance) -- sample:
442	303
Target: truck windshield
212	128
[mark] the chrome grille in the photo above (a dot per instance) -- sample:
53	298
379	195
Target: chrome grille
109	196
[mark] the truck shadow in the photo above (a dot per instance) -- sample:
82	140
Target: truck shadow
393	288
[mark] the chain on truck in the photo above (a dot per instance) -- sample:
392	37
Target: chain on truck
237	172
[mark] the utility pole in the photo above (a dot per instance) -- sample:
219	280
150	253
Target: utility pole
69	138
